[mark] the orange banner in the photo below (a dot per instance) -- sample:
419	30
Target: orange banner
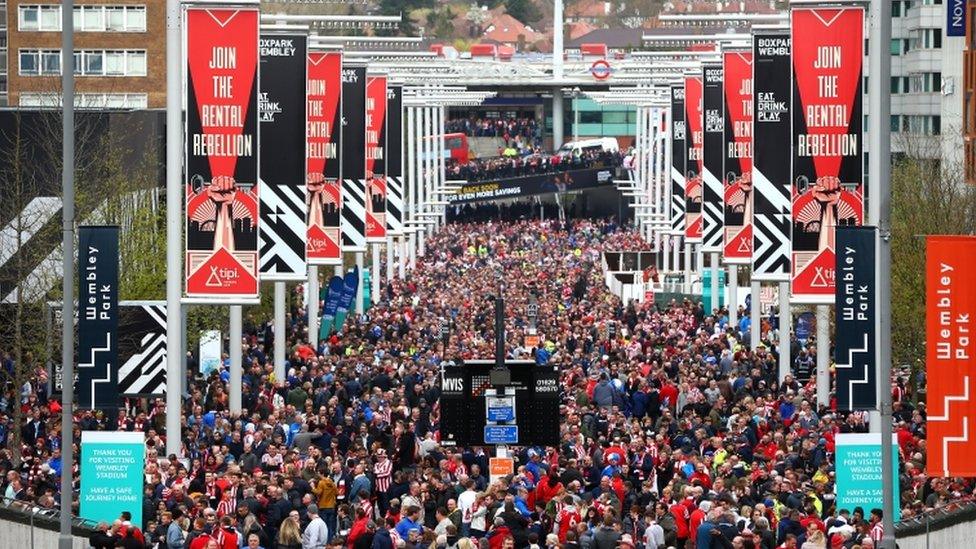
950	367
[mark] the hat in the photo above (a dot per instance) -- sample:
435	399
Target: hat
312	508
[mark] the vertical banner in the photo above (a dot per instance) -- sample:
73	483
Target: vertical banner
142	348
828	181
678	152
331	304
98	318
859	472
713	154
855	348
737	170
323	177
956	17
376	158
353	152
221	89
282	190
111	466
693	159
950	371
771	160
394	159
210	352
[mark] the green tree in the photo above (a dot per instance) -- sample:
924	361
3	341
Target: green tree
524	10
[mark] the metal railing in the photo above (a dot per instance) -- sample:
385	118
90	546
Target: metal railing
37	517
954	513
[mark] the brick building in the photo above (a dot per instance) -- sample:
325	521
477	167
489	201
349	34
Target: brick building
120	53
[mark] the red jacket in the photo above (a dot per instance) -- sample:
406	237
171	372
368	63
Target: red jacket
497	536
680	513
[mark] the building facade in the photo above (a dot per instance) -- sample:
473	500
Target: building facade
120	53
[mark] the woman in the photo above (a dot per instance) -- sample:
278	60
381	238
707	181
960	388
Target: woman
290	533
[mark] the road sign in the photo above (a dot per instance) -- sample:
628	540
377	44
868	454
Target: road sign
600	69
501	434
499	467
500	409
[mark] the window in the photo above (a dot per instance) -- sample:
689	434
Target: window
896	9
50	62
136	63
47	17
895	46
591	117
895	123
94	62
29	62
88	100
114	63
87	62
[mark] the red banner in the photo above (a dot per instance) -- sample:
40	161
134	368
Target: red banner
376	158
828	180
737	243
693	162
951	348
322	143
221	86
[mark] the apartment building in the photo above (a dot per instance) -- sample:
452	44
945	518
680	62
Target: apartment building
120	53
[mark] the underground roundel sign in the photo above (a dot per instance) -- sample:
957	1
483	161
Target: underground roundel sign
600	69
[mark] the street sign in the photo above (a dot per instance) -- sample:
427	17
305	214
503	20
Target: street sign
501	434
600	69
500	409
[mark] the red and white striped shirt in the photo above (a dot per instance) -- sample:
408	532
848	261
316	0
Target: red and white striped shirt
384	474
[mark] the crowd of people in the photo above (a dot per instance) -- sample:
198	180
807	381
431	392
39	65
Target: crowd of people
675	433
533	163
508	127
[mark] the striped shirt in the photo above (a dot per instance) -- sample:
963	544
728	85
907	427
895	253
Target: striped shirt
384	474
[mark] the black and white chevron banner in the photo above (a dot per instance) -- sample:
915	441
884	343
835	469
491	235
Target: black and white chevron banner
713	193
353	224
394	205
142	349
772	199
678	160
283	212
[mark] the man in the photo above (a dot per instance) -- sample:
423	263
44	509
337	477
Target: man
316	534
466	502
877	525
174	534
410	521
102	538
254	542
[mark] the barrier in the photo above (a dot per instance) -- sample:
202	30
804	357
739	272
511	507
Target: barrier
950	526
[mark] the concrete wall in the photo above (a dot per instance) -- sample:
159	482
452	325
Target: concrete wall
959	535
16	535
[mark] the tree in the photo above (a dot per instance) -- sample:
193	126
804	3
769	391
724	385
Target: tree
524	10
927	199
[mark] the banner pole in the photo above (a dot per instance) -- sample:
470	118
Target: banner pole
785	319
279	329
716	302
733	277
67	268
360	298
823	355
390	243
755	312
879	166
174	224
236	368
313	306
374	272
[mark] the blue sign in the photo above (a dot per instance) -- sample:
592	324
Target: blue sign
500	409
859	471
806	325
956	18
501	434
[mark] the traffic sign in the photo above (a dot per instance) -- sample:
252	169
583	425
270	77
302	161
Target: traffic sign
600	69
500	409
501	434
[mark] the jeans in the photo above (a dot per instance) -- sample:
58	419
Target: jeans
329	516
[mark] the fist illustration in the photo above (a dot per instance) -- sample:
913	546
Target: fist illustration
315	182
827	190
745	182
222	189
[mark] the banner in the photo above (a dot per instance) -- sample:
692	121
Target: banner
350	285
323	136
828	183
950	371
111	468
353	222
737	170
98	318
394	160
771	158
956	17
713	156
142	348
282	191
856	346
531	185
678	152
859	472
331	304
210	352
375	159
221	87
693	159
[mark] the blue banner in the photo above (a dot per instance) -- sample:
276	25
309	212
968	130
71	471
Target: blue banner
98	318
956	18
331	304
350	286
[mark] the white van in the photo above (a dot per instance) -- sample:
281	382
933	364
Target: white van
601	144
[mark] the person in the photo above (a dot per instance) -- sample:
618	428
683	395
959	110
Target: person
175	536
254	542
607	535
290	534
102	537
316	534
227	536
